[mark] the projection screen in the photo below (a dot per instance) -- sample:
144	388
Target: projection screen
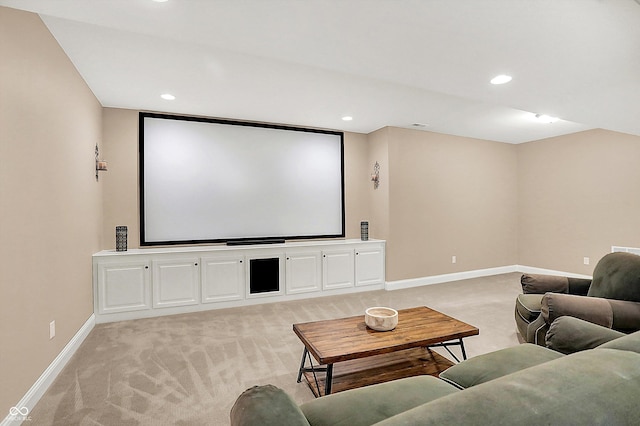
207	180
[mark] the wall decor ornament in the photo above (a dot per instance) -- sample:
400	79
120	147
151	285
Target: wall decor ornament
375	177
101	165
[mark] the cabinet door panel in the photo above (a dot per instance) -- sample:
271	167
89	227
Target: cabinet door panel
303	271
369	267
223	279
337	269
123	287
175	282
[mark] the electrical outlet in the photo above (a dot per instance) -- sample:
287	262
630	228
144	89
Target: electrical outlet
52	329
453	259
586	260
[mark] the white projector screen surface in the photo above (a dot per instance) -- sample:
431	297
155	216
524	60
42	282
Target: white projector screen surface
213	180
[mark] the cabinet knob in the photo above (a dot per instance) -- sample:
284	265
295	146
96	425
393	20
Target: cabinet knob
146	266
196	264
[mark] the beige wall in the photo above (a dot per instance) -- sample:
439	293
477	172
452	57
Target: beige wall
378	199
356	176
50	202
449	196
579	194
121	205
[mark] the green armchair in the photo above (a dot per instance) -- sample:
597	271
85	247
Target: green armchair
611	299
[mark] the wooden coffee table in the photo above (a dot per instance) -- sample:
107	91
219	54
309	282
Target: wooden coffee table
366	356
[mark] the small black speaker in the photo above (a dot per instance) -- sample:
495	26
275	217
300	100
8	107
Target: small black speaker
121	238
364	231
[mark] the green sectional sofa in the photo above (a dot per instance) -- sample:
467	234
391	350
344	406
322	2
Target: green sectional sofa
597	384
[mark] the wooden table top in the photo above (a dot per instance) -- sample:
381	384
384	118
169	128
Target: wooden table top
336	340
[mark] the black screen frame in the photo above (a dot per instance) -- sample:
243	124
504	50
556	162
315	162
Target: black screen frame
238	240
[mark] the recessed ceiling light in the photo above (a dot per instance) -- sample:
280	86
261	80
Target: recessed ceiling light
501	79
161	1
347	118
544	118
167	97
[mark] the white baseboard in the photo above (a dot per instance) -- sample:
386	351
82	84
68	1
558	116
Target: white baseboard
444	278
20	412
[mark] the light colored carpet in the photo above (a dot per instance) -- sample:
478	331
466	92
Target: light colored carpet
189	369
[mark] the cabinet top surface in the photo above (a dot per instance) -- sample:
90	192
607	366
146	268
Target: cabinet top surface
224	247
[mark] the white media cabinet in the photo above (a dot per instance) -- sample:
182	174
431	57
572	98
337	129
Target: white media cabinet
152	282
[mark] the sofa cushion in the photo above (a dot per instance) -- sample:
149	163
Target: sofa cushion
598	387
266	406
371	404
630	342
528	306
484	368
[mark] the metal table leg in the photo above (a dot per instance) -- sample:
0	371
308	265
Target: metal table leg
329	369
301	369
446	346
464	354
328	379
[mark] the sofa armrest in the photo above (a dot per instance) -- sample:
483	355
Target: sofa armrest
569	334
539	284
266	406
626	315
593	309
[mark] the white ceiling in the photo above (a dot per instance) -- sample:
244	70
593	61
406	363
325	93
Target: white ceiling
384	62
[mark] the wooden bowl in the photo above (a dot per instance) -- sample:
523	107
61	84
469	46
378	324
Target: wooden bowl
380	318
